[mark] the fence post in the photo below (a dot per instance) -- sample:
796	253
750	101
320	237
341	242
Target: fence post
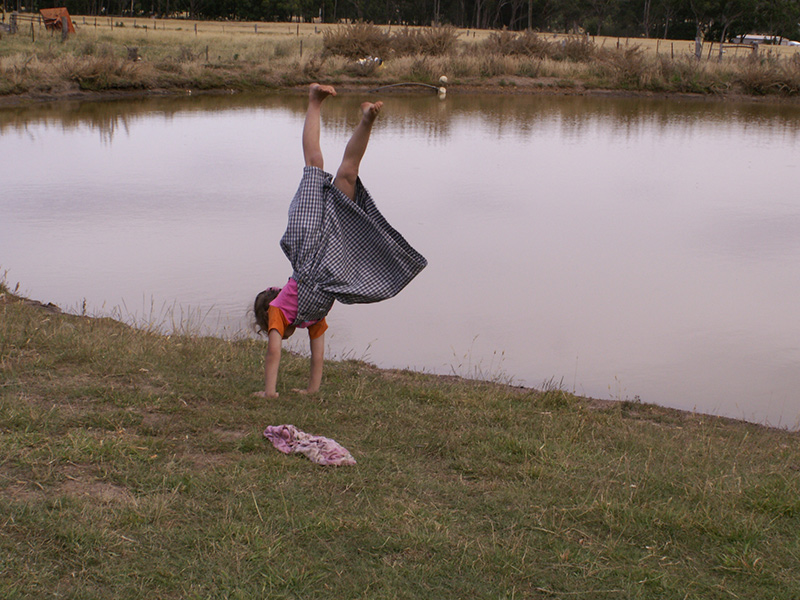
64	29
13	23
33	35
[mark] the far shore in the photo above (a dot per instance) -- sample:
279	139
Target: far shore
127	58
484	87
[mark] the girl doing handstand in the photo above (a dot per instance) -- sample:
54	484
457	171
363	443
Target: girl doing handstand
338	243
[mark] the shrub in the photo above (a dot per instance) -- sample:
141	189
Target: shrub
432	41
355	41
423	70
625	68
769	77
363	39
516	44
685	74
576	49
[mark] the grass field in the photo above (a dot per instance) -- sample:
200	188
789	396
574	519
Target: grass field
310	31
145	55
132	465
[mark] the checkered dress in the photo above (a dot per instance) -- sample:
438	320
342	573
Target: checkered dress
343	250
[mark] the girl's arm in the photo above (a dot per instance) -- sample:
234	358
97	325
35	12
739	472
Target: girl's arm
317	358
271	365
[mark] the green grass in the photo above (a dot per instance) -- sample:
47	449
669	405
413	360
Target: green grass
132	465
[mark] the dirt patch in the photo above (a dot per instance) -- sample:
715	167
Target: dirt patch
202	461
76	481
230	435
100	491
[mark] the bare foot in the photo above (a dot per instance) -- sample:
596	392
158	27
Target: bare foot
369	111
318	93
303	392
263	394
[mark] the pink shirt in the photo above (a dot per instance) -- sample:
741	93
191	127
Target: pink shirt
286	301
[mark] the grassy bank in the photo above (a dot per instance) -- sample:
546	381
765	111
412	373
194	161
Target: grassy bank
183	55
132	465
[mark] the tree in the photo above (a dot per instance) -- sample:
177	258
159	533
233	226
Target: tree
731	11
779	17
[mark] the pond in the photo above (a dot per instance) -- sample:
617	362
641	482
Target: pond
628	249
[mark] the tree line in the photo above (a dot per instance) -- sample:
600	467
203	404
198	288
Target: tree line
666	19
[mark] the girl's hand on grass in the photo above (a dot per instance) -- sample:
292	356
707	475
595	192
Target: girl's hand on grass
263	394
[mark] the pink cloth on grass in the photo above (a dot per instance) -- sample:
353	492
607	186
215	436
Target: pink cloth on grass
318	449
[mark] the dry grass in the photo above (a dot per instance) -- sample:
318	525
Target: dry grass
178	54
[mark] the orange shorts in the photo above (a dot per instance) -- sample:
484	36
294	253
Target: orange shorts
277	320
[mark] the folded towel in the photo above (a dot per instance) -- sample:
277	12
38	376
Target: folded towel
318	449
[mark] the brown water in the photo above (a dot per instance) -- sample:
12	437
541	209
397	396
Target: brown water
625	248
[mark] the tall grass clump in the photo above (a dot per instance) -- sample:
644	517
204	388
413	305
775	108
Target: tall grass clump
508	43
576	48
355	41
104	72
534	45
687	75
431	41
625	68
760	78
364	39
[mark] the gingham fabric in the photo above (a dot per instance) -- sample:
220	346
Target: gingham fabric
342	249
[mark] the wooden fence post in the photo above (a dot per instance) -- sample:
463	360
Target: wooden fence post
64	29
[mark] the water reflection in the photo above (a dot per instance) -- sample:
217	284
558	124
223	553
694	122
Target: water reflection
499	114
632	247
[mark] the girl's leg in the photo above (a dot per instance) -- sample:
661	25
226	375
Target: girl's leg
347	174
311	149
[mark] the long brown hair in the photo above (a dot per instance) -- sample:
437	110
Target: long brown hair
261	305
